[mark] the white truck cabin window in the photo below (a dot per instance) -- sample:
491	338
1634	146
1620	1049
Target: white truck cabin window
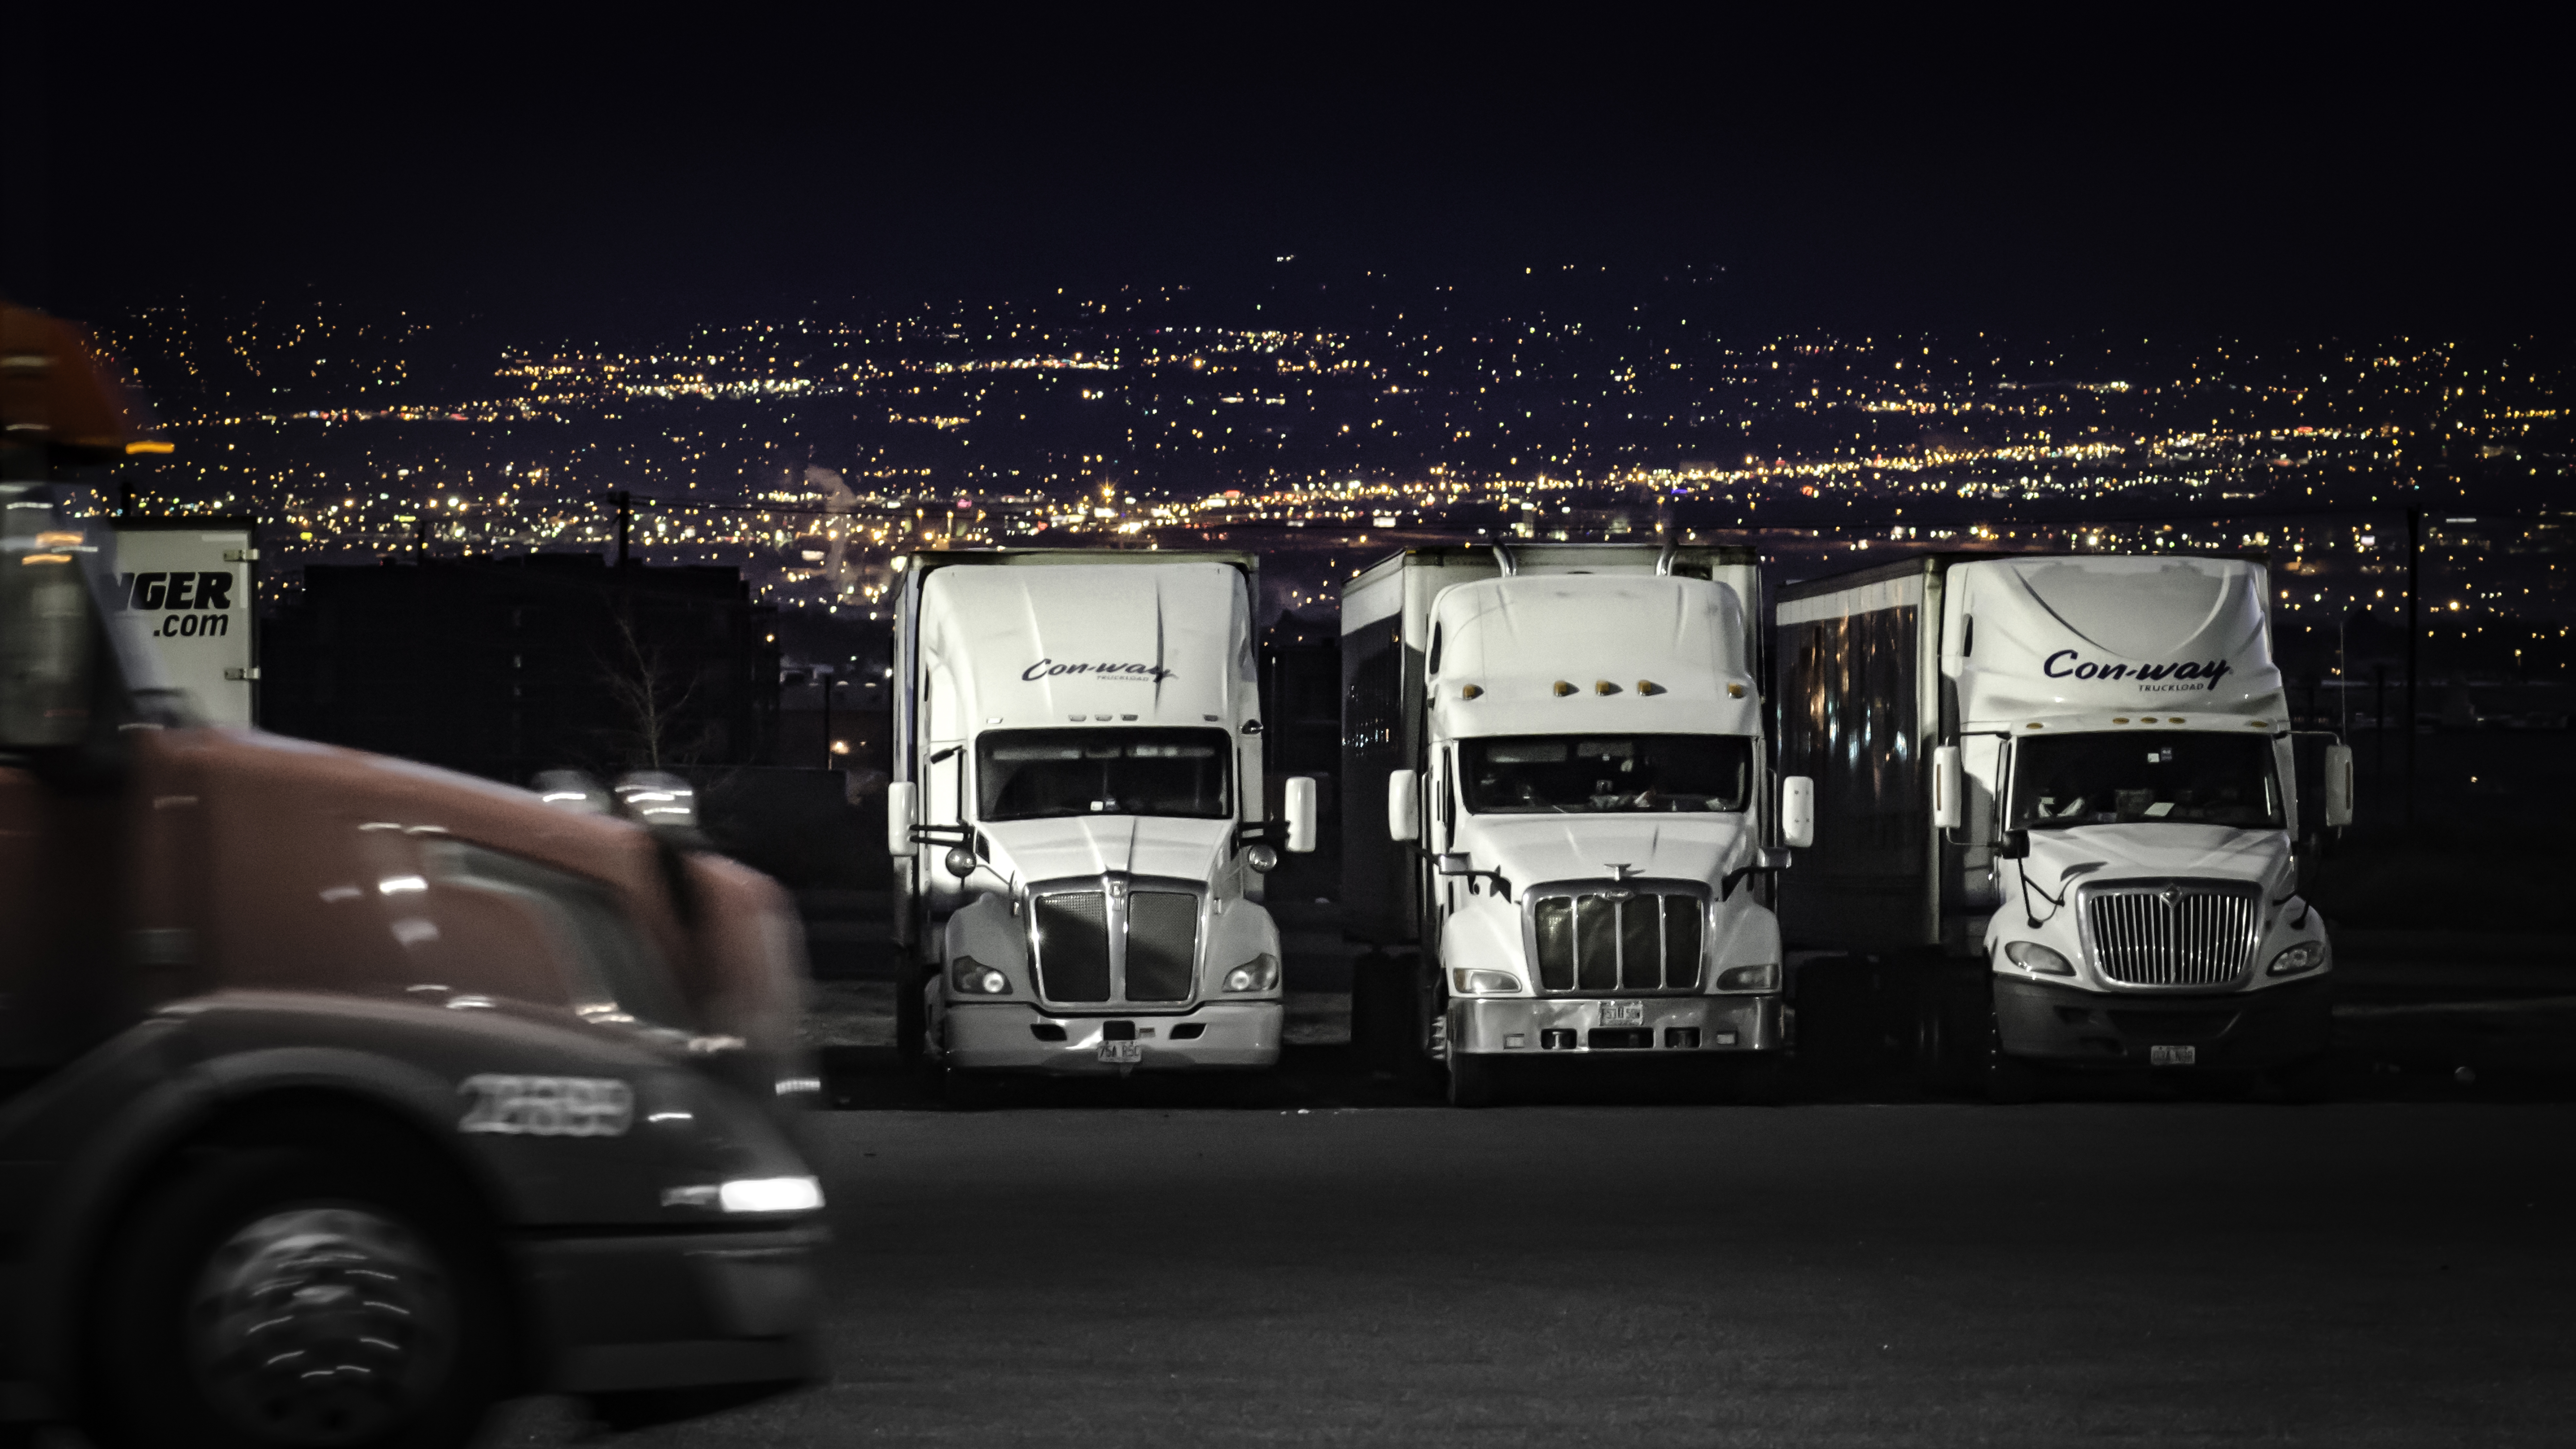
1054	773
2062	781
1594	774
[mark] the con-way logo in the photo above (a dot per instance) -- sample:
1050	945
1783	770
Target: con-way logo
198	604
1049	669
2185	675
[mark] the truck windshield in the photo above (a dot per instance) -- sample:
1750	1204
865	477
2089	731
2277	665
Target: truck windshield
2125	779
1046	774
1580	774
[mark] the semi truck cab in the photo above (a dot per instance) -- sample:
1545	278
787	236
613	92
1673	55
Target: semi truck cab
1077	815
1580	827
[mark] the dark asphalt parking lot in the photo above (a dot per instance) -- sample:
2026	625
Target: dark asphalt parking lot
2111	1272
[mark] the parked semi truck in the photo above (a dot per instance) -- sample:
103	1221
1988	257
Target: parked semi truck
2058	795
1559	839
346	1096
1078	744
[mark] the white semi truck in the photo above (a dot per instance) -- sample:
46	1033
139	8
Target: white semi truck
1556	810
2063	789
1077	738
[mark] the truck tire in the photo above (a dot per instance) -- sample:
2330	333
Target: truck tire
911	1017
2008	1080
1471	1081
224	1290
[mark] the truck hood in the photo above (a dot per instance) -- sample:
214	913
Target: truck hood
1150	845
2125	852
1533	848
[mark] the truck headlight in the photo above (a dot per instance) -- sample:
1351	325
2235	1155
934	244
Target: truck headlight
1468	981
973	978
2305	956
2034	957
1765	977
1258	974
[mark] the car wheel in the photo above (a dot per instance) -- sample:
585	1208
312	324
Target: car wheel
285	1295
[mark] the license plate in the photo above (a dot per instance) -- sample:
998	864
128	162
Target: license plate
1623	1013
1128	1053
2173	1056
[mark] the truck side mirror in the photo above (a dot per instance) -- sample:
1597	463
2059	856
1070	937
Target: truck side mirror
1299	803
2339	791
1797	811
899	819
2016	845
1453	862
1403	806
1949	783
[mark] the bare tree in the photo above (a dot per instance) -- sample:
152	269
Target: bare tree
650	703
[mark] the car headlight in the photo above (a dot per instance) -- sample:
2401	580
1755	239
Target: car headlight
2305	956
1258	974
973	978
1765	977
2032	956
1468	981
750	1195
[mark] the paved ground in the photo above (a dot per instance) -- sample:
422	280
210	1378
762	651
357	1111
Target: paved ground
2137	1272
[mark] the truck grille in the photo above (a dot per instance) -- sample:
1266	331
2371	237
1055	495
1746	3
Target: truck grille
1073	946
2172	933
1162	945
1139	947
1617	940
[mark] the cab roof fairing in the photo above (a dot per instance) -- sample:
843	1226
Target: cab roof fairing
1516	638
2077	640
1040	646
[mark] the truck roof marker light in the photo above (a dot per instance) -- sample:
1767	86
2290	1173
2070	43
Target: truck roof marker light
1648	686
2258	724
394	885
1563	689
1470	691
2173	719
2119	719
2034	724
1735	691
1603	686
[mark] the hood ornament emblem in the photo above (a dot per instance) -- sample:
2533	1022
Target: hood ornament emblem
2171	896
1621	870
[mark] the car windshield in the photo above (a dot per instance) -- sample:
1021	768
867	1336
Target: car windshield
2126	779
1048	774
1582	774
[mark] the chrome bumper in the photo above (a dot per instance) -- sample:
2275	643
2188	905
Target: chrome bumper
1559	1025
1003	1037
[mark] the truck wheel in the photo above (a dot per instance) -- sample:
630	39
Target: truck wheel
1471	1081
2009	1081
911	1018
1762	1080
299	1296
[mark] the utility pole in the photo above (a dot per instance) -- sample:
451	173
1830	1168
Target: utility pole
2414	648
625	524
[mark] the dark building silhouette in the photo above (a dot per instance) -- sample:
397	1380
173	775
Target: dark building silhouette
504	667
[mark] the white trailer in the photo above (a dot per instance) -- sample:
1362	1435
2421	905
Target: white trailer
2063	788
1554	810
1078	737
192	583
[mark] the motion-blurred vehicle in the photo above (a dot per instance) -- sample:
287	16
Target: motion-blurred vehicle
2065	789
1078	734
345	1097
1557	823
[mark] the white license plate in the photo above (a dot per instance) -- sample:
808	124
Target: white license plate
1623	1013
2173	1056
1131	1052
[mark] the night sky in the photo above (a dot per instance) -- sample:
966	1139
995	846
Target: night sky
567	173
